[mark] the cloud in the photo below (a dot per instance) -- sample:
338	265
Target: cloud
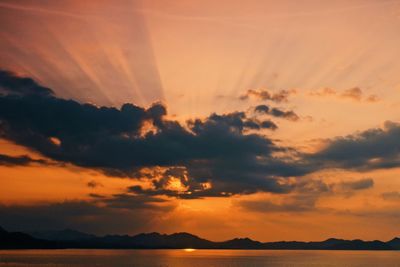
290	204
262	94
276	112
391	196
361	184
94	184
262	109
371	149
323	92
133	202
219	150
290	115
240	121
217	156
267	124
354	93
372	98
304	196
11	83
23	160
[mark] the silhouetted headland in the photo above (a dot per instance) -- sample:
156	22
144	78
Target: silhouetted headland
74	239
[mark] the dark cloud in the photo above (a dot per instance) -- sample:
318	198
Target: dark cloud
290	115
94	184
276	112
262	109
20	160
240	121
218	150
219	155
371	149
96	196
269	125
12	84
219	178
262	94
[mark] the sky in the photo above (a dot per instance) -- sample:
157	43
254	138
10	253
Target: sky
274	120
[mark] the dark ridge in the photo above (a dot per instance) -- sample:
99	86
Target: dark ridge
18	240
394	243
63	235
241	243
69	238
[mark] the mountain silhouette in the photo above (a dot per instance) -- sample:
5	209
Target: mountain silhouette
395	243
63	235
240	243
18	240
331	244
69	238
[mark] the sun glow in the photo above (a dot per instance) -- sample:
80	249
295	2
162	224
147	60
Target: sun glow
175	184
189	249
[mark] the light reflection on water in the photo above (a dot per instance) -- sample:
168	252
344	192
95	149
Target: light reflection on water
197	258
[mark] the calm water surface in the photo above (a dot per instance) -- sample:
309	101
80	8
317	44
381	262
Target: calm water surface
197	258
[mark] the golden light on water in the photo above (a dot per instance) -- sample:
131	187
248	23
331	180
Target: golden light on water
189	249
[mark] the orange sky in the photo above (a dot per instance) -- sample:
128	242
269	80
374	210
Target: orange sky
337	60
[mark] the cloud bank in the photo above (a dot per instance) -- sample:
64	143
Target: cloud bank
220	151
220	155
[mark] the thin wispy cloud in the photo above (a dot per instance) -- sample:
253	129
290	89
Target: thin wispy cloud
356	94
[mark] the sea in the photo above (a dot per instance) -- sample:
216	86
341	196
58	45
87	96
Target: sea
197	258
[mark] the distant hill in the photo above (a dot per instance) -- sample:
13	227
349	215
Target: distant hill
63	235
331	244
177	240
240	243
74	239
394	243
18	240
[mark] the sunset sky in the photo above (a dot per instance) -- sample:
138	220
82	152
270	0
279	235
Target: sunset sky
274	120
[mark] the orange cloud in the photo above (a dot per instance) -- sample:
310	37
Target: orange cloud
355	93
